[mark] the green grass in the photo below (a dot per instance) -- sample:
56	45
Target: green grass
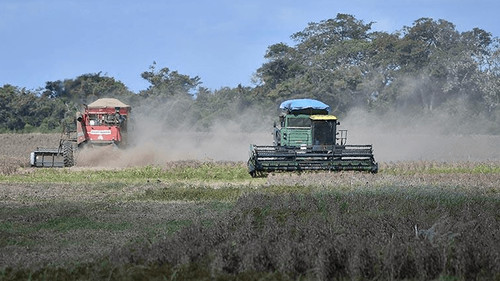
180	191
51	219
191	193
68	223
172	226
214	172
211	172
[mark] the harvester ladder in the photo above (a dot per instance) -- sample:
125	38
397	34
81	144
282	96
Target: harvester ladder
342	137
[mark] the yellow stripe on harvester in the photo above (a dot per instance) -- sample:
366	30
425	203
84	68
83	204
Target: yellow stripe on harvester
322	117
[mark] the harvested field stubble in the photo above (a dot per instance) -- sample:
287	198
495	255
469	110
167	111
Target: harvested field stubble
10	165
20	145
477	176
15	149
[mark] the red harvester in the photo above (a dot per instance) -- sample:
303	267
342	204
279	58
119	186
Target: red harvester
103	122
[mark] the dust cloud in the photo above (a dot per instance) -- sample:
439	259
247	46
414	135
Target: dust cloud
161	134
439	137
165	132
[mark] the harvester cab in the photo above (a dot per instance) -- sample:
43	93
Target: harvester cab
310	130
103	122
308	139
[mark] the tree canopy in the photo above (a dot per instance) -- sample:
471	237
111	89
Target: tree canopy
420	68
427	67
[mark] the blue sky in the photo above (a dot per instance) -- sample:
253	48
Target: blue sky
221	41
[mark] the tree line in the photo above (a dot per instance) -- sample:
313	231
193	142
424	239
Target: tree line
424	68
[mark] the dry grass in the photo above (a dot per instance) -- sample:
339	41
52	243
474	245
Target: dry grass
20	145
469	175
10	165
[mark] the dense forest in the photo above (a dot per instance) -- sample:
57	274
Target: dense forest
428	68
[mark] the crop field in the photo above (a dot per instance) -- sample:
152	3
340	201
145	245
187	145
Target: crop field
209	220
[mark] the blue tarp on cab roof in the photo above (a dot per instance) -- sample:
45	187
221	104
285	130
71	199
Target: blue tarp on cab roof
300	104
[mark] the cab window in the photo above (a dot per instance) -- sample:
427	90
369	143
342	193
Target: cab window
299	122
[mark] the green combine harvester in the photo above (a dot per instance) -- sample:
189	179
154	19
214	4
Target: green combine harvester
307	139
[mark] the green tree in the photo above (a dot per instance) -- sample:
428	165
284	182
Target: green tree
438	64
8	119
328	63
87	88
423	67
282	65
166	83
22	110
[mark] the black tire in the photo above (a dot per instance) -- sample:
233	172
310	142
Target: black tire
68	156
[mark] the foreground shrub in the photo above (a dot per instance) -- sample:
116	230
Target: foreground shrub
375	235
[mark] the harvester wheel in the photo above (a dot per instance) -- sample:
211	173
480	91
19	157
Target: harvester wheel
68	157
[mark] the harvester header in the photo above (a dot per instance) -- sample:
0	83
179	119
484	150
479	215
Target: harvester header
307	139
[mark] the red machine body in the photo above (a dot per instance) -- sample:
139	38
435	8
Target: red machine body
103	122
